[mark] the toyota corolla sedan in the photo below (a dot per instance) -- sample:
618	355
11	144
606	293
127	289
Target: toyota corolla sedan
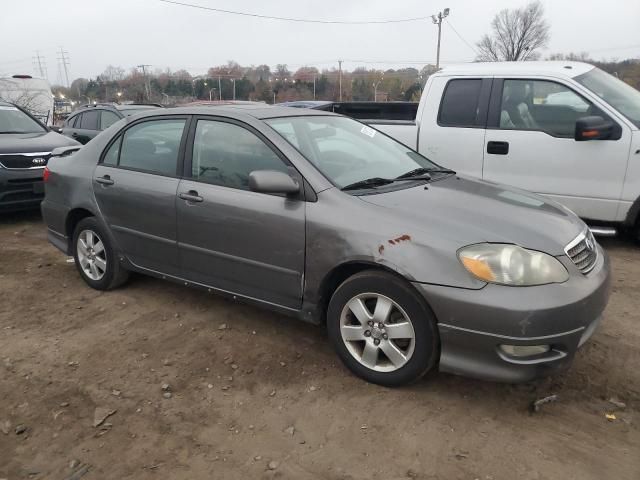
410	266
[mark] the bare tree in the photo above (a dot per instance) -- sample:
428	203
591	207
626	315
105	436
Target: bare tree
516	35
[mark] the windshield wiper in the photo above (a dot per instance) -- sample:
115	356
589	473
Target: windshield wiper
12	131
423	173
369	182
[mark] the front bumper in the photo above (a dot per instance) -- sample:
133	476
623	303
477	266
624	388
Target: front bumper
20	189
474	323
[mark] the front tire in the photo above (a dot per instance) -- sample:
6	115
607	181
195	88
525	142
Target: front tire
382	329
95	257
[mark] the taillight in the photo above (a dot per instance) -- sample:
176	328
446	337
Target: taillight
45	174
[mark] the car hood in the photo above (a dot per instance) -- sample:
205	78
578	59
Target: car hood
467	211
33	142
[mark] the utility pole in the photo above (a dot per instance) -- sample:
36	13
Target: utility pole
340	76
40	64
220	87
437	20
234	88
146	83
314	86
64	61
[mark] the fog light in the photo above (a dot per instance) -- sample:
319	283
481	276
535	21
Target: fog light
524	350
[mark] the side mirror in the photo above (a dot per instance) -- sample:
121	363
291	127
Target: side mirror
272	181
593	128
55	128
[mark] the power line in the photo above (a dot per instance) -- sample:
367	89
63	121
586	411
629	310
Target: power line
290	19
461	37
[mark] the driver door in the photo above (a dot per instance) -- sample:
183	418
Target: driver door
529	143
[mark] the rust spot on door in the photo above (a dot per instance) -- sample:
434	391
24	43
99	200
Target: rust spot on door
401	238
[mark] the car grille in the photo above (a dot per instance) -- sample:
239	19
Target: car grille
583	251
25	160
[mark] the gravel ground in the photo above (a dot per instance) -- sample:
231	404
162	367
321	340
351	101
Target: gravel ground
193	386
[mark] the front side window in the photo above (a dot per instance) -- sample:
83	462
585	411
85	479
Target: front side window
90	120
107	119
225	154
460	103
542	105
347	151
14	120
77	121
152	146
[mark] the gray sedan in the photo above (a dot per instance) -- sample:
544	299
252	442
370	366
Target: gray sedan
410	266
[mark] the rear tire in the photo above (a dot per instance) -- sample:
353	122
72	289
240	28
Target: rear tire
382	329
95	257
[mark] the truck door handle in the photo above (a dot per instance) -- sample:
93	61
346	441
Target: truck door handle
191	196
498	148
105	180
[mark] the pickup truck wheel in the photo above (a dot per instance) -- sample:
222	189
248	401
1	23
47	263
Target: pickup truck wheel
95	258
382	329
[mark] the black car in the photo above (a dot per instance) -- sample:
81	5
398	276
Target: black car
25	148
85	123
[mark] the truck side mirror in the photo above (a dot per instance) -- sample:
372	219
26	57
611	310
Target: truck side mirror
593	128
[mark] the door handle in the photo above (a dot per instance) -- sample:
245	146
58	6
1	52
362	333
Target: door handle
498	148
191	196
105	180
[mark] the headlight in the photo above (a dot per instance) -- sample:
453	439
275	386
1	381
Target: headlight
511	265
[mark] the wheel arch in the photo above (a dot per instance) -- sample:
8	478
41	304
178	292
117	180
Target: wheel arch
336	276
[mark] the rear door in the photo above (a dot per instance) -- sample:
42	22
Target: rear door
135	185
452	127
530	144
231	238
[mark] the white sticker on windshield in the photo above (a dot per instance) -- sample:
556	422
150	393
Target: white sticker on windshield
2	107
368	131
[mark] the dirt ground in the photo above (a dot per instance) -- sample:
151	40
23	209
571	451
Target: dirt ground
253	394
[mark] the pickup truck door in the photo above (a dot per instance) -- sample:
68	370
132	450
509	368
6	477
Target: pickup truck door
530	144
452	118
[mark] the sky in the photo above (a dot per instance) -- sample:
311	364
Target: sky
126	33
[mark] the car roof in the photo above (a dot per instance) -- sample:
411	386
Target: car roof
259	111
556	68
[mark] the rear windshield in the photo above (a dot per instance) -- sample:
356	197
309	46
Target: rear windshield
14	120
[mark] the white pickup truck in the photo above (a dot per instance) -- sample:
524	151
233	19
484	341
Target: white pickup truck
566	130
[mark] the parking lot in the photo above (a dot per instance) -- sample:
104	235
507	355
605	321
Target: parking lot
201	387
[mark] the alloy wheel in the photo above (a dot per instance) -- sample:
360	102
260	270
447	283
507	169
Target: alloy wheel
377	332
91	255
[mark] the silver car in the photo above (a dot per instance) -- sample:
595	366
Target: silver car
410	266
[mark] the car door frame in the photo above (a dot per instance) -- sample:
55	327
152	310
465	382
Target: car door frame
306	194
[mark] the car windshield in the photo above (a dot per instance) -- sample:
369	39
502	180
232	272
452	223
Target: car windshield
619	95
14	120
127	112
347	151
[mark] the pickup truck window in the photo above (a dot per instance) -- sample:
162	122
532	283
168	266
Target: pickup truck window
542	105
460	102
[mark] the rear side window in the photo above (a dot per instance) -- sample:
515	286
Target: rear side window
75	121
89	121
460	103
151	146
107	119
